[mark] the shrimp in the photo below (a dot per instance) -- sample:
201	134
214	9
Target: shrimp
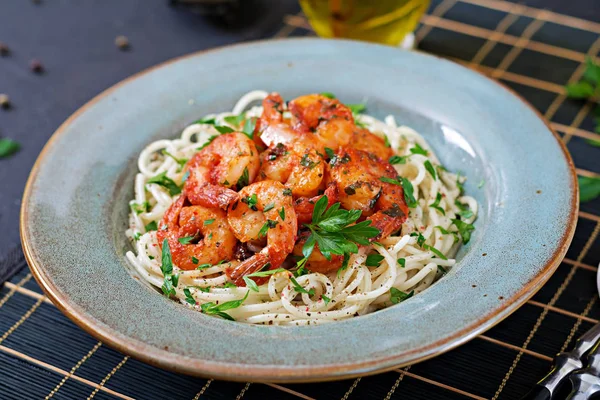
304	206
264	209
330	121
357	177
229	162
211	239
365	140
299	167
316	261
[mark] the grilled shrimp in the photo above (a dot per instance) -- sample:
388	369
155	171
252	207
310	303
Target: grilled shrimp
331	122
229	162
356	175
206	229
298	167
365	140
316	261
304	206
263	209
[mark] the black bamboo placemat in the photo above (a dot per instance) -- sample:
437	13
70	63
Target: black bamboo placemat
532	50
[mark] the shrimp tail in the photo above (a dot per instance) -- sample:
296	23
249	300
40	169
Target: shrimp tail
209	195
249	266
388	221
304	206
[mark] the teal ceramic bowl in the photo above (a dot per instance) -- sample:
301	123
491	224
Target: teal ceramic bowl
75	209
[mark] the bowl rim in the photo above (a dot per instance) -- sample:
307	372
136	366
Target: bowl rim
299	374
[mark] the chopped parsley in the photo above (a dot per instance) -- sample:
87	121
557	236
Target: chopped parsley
436	204
357	108
481	183
206	121
166	182
186	239
402	262
223	129
287	192
140	208
249	126
328	95
252	285
430	169
282	213
195	260
188	297
252	201
170	281
435	251
219	309
152	226
325	299
265	228
420	240
442	270
464	230
137	236
330	153
465	212
208	221
244	179
459	184
374	260
307	162
300	289
419	150
398	296
407	188
203	266
268	207
398	159
235	120
208	141
386	141
180	161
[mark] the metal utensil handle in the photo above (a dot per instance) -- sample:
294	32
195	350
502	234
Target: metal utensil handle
586	382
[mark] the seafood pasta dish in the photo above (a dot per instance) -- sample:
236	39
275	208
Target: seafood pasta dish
295	213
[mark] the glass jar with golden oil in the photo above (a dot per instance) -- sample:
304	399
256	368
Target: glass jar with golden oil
381	21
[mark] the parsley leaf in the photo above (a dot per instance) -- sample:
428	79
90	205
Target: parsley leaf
300	289
252	201
374	260
398	159
208	221
307	162
398	296
465	212
188	297
265	228
419	150
589	188
435	251
166	182
436	204
244	179
180	161
208	141
357	108
249	126
430	169
170	281
8	147
406	186
195	260
223	129
328	95
268	207
330	153
186	239
152	226
402	262
250	284
140	208
464	229
282	213
205	121
218	309
325	299
235	120
202	266
442	270
386	141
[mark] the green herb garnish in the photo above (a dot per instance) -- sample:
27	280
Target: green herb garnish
287	192
464	229
328	95
307	162
300	289
398	296
188	297
180	161
465	212
357	108
419	150
402	262
282	213
170	281
140	208
166	182
206	121
325	299
223	129
208	221
386	141
235	120
208	141
244	179
137	236
436	204
186	239
268	207
249	126
374	260
219	309
435	251
398	159
407	188
442	270
430	169
152	226
252	201
330	153
270	224
252	285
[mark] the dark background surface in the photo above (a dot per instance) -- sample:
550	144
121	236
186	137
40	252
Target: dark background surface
74	40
